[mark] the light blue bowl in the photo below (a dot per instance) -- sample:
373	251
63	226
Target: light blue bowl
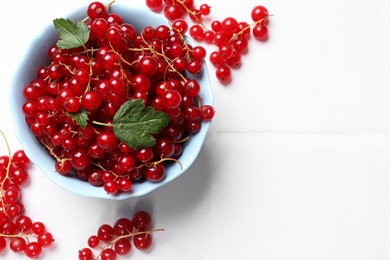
36	56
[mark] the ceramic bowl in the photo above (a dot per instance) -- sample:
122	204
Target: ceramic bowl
36	56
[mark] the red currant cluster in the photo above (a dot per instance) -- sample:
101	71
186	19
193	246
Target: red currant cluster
72	104
117	239
229	35
22	234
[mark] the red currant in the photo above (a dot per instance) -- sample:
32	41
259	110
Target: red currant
154	4
33	250
97	10
258	13
142	241
122	246
155	173
17	244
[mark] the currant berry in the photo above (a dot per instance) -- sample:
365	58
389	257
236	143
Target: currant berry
216	26
192	126
226	51
223	73
192	88
105	232
126	163
154	5
240	45
45	239
216	59
91	100
80	158
108	254
12	196
114	35
142	241
220	38
93	241
99	28
204	9
229	26
173	12
235	60
209	37
17	244
164	147
206	112
38	228
18	175
147	66
194	67
122	246
95	178
172	99
33	250
72	104
85	254
197	32
110	186
23	224
107	141
260	32
144	155
258	13
63	167
199	53
20	158
96	10
125	184
155	173
142	220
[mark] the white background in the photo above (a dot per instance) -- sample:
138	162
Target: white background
297	161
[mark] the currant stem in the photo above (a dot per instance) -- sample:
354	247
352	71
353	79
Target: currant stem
102	124
26	236
171	66
248	26
112	242
90	73
110	4
104	169
52	153
8	150
190	12
182	140
8	167
163	160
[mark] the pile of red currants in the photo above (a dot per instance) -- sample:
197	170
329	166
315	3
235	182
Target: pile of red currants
118	240
73	105
228	35
17	229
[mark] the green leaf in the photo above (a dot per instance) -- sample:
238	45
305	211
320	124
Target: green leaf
71	35
135	124
81	117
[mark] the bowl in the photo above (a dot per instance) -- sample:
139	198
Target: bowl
36	56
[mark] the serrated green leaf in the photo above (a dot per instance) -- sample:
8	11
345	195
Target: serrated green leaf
71	35
81	117
135	124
